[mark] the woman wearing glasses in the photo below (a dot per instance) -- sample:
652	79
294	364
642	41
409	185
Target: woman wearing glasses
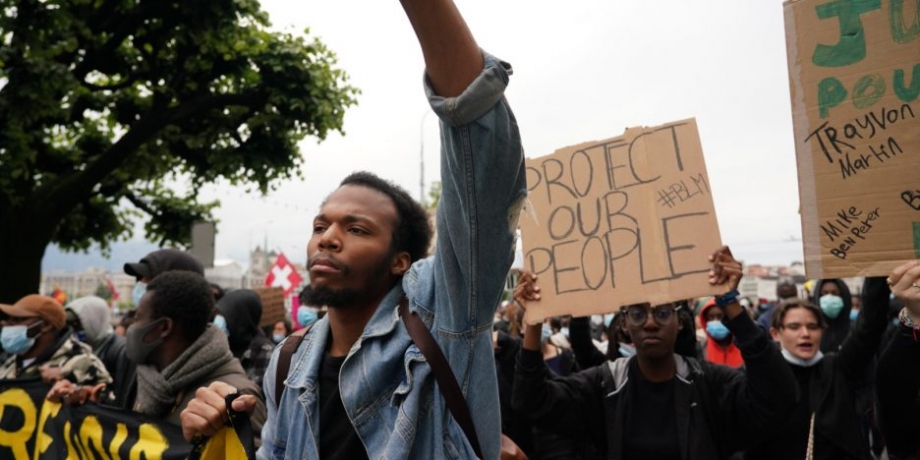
658	404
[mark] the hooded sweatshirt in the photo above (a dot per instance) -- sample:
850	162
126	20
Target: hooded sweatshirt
724	352
837	328
242	309
95	317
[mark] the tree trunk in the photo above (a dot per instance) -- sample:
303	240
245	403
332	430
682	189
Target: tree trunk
23	239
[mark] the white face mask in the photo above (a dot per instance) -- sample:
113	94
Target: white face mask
16	340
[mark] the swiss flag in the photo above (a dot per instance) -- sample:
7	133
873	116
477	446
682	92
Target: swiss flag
283	275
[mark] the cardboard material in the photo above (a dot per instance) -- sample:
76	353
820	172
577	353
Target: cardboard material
620	221
854	77
272	305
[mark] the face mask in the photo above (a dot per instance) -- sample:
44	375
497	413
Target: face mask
717	330
81	336
305	316
608	318
221	324
135	348
831	305
565	332
546	332
16	340
277	338
140	288
597	320
627	350
854	314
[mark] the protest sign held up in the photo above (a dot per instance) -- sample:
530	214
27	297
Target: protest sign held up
854	71
624	220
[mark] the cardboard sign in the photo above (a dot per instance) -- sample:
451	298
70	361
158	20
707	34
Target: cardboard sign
854	71
272	305
620	221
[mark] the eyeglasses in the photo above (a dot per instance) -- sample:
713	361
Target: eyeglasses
637	315
812	327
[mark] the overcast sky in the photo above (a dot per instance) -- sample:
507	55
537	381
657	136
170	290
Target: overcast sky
583	70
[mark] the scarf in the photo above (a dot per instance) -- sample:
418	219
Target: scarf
791	359
157	391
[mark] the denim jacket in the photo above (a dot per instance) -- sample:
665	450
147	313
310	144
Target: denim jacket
387	387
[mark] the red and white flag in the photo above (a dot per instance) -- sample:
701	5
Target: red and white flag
283	275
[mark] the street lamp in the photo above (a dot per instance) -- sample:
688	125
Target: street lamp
421	159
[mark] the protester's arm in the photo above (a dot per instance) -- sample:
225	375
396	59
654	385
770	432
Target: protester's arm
898	375
862	343
452	57
764	395
482	172
586	354
570	405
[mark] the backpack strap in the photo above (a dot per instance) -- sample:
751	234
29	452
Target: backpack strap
284	360
447	382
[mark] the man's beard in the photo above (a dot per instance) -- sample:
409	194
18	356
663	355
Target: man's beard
344	297
332	298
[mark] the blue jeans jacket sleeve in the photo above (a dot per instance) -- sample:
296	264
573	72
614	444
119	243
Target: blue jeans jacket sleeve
482	193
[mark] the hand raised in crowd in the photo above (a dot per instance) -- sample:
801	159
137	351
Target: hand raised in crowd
207	413
67	391
725	269
905	285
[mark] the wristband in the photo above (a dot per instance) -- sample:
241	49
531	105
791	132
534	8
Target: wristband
727	299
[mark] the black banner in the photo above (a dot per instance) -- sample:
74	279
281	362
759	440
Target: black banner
33	428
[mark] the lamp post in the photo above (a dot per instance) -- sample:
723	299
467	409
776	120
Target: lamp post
421	159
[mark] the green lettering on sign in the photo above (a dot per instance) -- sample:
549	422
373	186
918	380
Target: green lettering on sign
904	92
851	48
830	94
900	33
868	90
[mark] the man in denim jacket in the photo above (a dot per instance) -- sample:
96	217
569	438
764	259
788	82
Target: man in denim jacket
361	269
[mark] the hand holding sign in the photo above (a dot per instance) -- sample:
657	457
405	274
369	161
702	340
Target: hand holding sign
207	413
905	285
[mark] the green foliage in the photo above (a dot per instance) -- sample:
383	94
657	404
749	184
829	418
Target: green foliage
102	291
105	103
434	196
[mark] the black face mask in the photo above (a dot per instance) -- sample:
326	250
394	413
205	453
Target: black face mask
135	348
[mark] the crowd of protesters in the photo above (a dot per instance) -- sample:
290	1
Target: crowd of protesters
819	374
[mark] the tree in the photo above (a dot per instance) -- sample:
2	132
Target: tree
434	196
103	292
106	104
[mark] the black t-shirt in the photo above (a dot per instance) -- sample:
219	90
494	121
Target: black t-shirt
338	439
651	419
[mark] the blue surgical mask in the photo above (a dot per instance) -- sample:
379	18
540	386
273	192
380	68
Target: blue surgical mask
16	340
221	323
565	332
831	305
854	314
277	338
717	330
140	288
305	316
546	332
608	318
627	350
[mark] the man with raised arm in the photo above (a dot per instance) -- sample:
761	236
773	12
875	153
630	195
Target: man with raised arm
357	386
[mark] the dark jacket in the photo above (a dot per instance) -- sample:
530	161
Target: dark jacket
719	410
898	390
837	328
122	369
515	426
836	378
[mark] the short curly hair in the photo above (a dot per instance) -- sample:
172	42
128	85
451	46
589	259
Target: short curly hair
186	298
412	232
